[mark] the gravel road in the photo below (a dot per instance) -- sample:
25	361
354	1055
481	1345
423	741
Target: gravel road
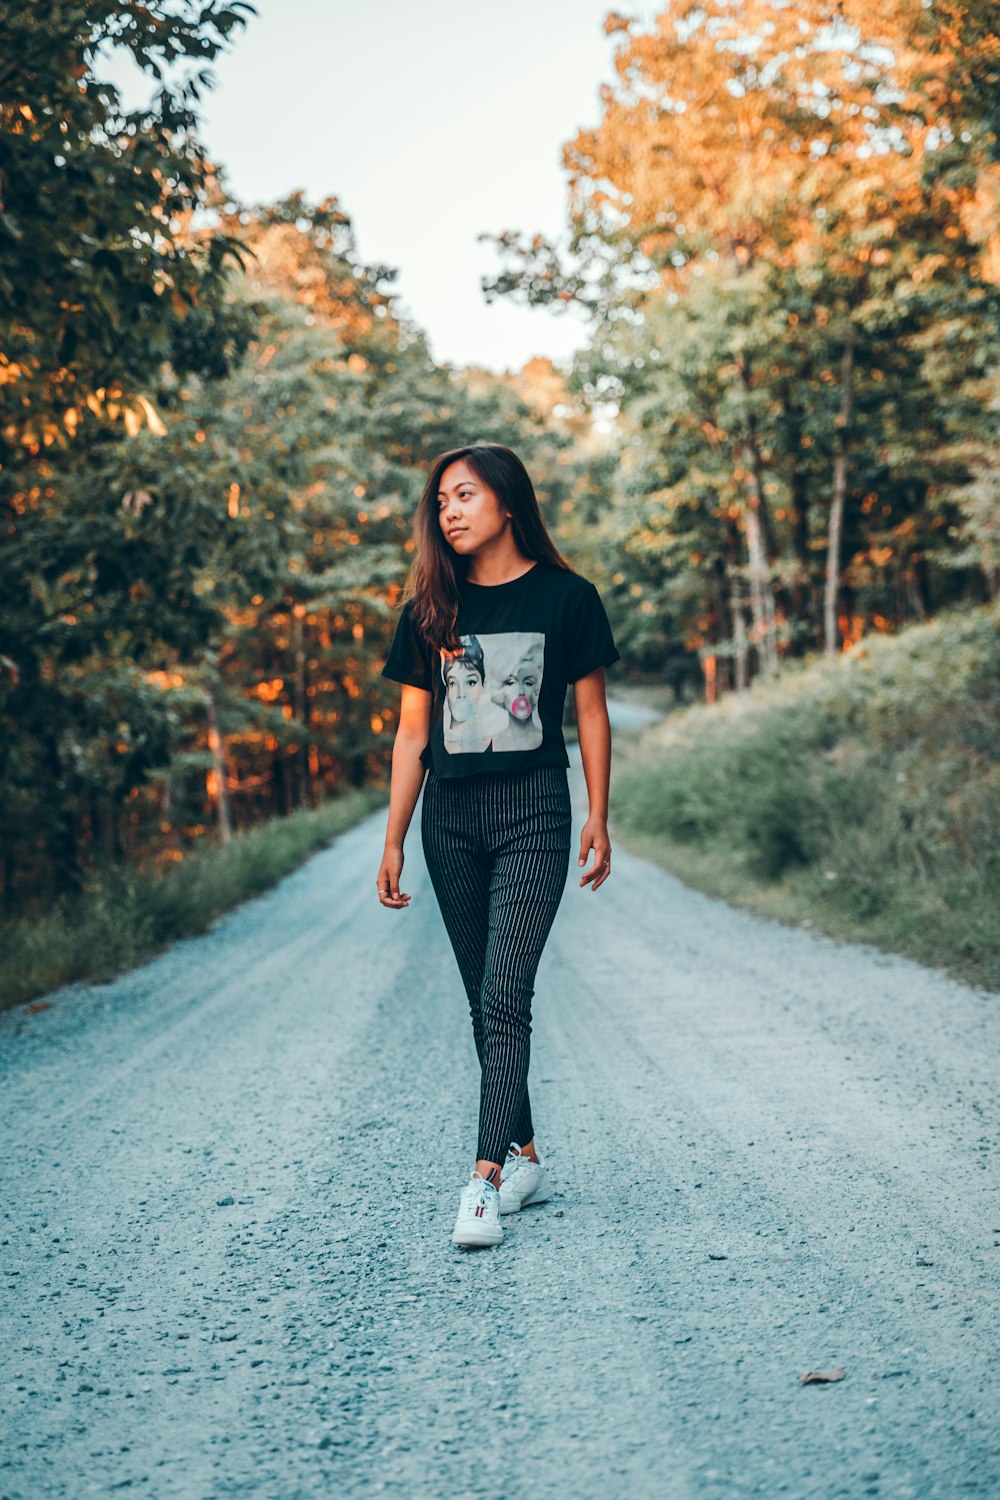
230	1178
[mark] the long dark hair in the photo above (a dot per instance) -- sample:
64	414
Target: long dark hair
437	571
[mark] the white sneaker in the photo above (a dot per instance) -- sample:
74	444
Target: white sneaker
478	1221
522	1181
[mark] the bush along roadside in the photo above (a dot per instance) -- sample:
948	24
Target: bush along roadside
130	914
860	795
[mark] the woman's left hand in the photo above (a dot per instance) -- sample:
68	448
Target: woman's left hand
595	836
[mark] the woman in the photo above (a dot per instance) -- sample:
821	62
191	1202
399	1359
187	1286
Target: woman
489	590
471	718
520	689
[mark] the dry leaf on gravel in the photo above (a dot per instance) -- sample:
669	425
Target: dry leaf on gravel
821	1377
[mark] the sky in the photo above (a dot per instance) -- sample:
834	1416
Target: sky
431	121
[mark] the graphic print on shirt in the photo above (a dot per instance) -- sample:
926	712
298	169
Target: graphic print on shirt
491	692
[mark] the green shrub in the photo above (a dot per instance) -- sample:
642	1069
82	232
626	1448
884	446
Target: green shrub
131	913
869	785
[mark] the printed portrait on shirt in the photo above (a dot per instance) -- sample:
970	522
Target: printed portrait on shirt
491	690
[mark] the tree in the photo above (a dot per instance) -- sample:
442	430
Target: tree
103	283
795	152
99	261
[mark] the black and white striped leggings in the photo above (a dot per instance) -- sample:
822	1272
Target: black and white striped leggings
497	847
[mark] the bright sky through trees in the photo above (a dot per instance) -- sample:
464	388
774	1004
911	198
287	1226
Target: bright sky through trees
432	123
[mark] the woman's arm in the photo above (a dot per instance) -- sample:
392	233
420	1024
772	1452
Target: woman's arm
404	789
594	730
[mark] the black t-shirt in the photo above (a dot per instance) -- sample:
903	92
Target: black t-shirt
498	704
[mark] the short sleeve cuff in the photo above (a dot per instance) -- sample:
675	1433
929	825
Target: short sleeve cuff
408	678
607	660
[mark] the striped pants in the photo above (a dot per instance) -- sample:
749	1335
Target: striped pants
497	847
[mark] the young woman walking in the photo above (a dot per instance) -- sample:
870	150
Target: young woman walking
494	625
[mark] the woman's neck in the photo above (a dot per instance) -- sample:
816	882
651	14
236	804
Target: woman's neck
490	565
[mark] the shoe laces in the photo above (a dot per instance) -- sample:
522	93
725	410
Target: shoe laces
477	1192
516	1164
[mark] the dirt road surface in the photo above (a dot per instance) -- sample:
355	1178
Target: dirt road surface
230	1179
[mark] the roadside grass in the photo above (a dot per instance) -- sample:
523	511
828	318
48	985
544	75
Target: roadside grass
130	914
860	796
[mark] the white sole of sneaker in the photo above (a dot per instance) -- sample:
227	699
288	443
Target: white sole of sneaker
477	1237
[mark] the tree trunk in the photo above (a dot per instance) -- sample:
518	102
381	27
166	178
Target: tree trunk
831	638
729	596
720	628
801	601
741	650
283	781
62	845
108	832
914	597
761	596
217	775
923	585
709	665
299	702
759	539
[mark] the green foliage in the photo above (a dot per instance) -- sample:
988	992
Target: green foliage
108	299
95	268
800	340
235	568
917	529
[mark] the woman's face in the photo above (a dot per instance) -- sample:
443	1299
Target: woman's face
520	690
469	512
465	688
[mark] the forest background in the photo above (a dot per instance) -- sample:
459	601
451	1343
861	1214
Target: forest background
779	442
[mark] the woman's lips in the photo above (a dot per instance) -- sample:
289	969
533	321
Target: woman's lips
457	531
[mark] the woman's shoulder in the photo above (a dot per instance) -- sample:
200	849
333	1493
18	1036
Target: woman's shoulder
571	584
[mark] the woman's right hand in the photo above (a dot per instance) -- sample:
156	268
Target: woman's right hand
388	878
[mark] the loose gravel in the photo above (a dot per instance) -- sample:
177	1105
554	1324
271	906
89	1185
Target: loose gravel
230	1179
